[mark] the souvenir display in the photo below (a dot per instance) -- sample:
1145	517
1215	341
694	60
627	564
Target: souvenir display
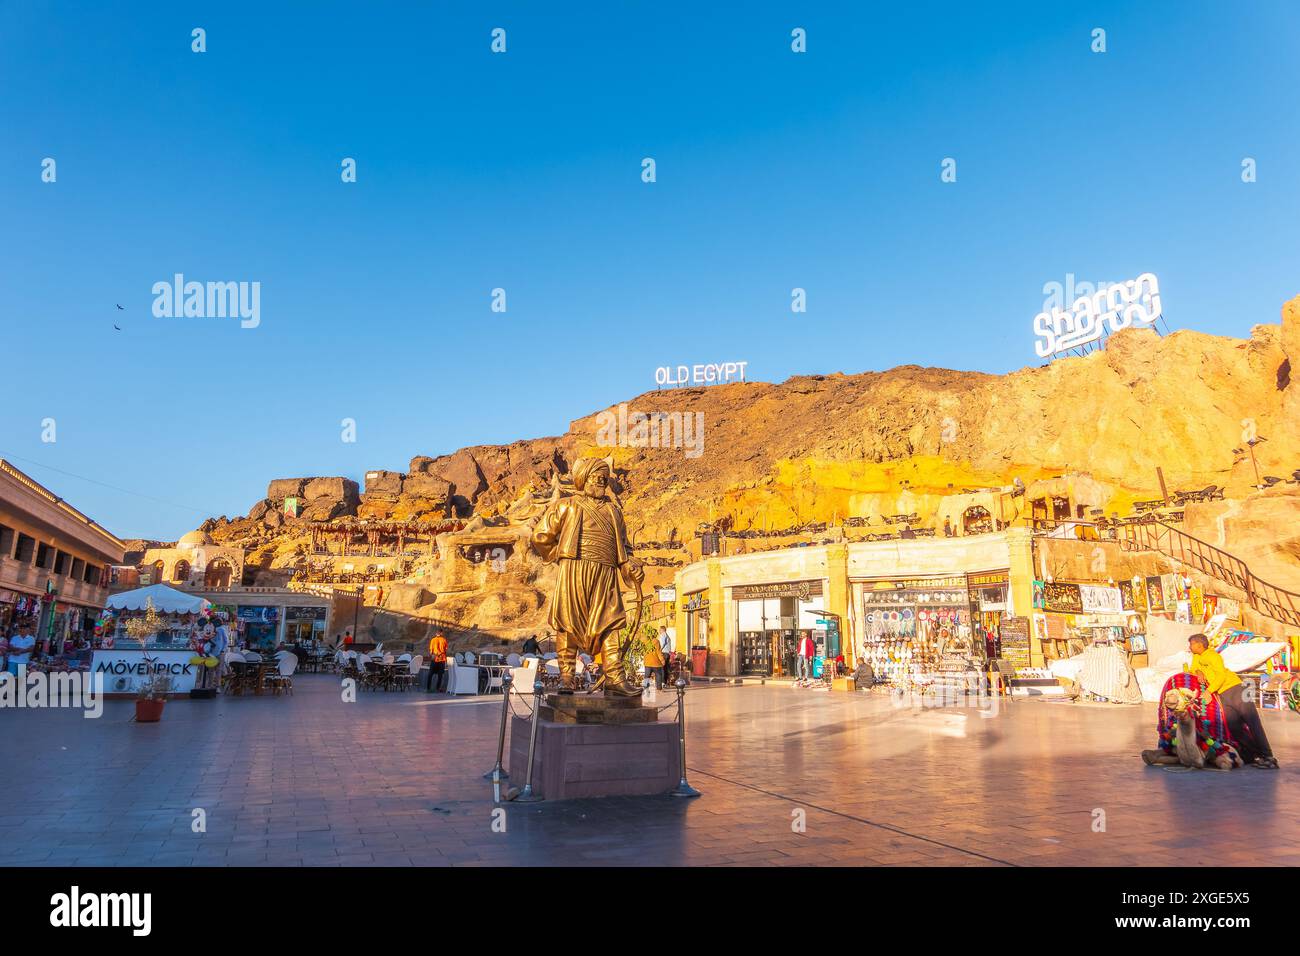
911	635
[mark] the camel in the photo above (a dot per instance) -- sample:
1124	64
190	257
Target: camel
1188	746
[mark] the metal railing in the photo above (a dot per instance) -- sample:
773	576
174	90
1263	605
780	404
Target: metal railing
1268	599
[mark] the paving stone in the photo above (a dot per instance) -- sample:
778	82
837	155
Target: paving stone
396	780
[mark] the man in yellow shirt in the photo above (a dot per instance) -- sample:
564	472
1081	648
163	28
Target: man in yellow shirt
1241	714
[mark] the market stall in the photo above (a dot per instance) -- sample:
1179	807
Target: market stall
146	633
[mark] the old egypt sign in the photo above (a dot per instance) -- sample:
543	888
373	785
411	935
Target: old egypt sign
1114	307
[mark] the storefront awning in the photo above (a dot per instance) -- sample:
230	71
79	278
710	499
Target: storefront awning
165	599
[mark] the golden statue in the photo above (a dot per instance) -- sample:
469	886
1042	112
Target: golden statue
585	533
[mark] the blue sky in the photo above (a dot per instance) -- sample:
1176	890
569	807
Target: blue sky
522	171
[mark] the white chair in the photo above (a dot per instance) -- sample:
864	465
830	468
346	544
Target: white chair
550	656
388	658
402	659
522	678
513	660
462	679
494	680
469	657
283	679
412	675
458	658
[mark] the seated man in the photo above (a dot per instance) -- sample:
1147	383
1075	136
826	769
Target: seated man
1241	714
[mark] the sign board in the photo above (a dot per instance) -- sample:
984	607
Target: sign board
706	374
125	671
800	589
1013	633
1115	307
666	595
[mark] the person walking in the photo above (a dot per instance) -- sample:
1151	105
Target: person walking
437	663
666	646
654	663
531	646
1241	714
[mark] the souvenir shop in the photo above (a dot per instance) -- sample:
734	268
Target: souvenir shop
258	626
914	629
990	603
303	625
1072	616
16	608
772	619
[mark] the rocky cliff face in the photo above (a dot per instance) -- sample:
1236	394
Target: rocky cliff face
824	447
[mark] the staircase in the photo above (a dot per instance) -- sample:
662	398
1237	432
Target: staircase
1267	599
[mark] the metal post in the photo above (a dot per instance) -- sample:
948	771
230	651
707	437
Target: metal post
506	680
683	788
527	795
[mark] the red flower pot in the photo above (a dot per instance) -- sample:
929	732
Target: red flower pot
149	711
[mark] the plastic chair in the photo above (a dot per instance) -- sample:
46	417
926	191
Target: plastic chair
283	678
513	660
412	675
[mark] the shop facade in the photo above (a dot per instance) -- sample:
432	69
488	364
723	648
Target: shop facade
913	606
262	618
53	562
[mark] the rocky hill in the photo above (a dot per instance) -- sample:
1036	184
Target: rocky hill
825	447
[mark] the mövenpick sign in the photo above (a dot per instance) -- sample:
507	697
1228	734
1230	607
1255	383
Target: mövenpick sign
1115	307
707	374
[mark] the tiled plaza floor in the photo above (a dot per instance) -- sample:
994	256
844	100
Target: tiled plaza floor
396	779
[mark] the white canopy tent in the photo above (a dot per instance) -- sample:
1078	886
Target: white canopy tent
165	600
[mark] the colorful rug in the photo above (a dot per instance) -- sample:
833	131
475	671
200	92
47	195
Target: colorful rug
1211	725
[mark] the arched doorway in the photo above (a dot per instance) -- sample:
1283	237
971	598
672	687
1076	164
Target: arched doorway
181	572
218	574
157	577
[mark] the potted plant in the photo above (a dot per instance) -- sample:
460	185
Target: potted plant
151	697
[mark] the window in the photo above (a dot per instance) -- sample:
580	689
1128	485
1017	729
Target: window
61	560
26	548
44	557
78	569
92	574
6	542
181	572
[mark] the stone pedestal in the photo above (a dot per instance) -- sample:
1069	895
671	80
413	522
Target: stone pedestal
591	746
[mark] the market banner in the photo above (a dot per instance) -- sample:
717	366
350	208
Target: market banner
125	670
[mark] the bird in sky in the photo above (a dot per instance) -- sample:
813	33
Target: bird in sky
119	308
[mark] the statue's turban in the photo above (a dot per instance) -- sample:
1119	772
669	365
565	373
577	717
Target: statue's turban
585	468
